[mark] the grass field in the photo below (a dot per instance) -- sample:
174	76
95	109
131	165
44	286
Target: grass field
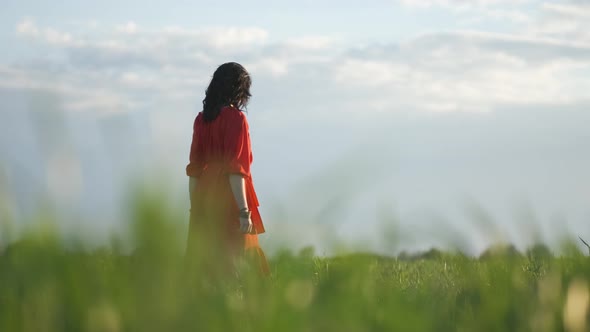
48	283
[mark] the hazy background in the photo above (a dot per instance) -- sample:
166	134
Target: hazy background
419	121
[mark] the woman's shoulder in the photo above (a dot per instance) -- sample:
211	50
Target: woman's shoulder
232	113
198	119
227	114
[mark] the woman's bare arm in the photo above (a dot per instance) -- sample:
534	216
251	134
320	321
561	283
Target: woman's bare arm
238	188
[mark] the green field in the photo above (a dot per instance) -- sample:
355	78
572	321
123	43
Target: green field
52	283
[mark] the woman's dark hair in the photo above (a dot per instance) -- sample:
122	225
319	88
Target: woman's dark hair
230	85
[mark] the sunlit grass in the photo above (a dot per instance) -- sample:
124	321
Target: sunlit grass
49	283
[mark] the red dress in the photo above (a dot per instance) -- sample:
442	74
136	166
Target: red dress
219	148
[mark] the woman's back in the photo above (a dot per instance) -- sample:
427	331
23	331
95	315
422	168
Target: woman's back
221	145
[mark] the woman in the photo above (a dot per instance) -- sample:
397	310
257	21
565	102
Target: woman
224	219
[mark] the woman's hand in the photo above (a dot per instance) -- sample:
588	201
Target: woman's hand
246	226
238	187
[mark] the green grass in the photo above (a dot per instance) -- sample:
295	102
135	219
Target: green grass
48	283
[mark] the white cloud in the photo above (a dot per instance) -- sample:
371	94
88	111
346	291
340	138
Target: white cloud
468	71
473	12
363	73
516	16
27	27
129	66
226	37
148	45
128	28
56	37
311	42
565	21
578	9
276	67
458	3
155	66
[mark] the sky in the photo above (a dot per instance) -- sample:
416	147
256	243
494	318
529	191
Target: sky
384	125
